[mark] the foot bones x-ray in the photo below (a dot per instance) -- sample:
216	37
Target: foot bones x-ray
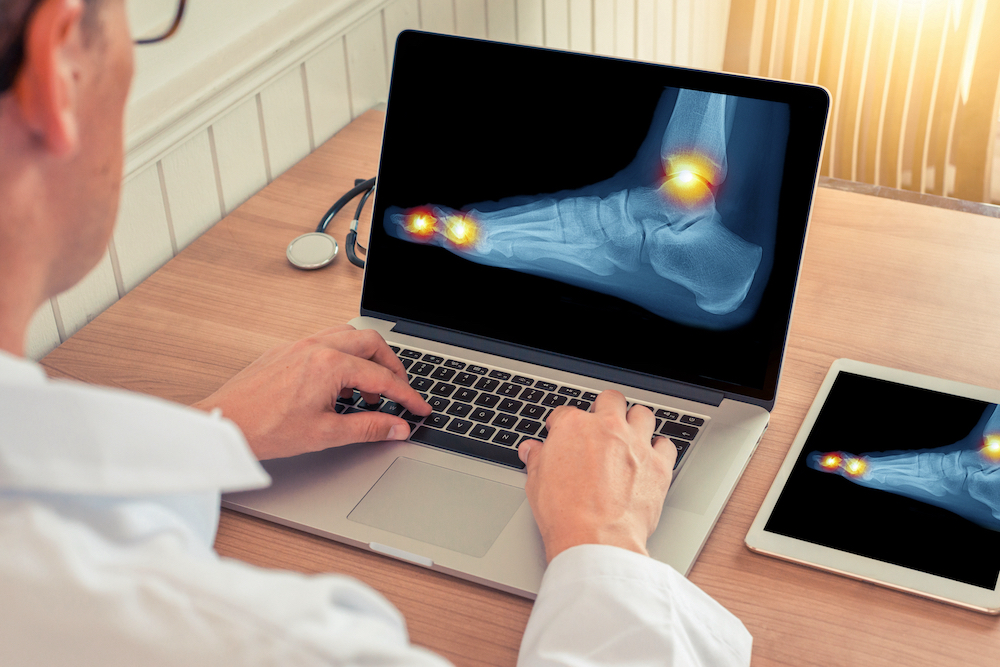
637	236
963	477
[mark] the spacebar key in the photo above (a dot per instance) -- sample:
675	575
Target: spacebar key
463	445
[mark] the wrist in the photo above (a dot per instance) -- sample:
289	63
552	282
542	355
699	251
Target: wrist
556	544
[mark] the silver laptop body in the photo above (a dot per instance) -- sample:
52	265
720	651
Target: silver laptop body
547	226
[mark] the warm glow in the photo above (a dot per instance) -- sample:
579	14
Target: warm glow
830	461
420	225
991	448
461	231
856	467
689	179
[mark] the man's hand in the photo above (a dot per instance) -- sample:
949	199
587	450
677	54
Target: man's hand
284	401
596	479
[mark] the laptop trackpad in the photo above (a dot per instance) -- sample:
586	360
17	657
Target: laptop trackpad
442	507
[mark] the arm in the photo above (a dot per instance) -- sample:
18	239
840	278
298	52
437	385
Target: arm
597	489
284	401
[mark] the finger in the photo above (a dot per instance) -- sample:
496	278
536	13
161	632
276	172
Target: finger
640	417
665	448
610	400
375	380
525	449
369	427
365	344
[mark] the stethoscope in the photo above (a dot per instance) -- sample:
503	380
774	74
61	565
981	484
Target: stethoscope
317	249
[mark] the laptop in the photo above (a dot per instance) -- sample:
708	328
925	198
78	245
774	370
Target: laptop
546	226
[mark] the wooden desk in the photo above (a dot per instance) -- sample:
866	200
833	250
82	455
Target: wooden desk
883	281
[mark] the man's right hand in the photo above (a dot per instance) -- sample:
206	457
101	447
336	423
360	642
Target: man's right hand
596	479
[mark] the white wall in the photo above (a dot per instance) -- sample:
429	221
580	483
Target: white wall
249	87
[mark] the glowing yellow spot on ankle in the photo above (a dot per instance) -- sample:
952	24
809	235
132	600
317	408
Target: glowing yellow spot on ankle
991	448
689	179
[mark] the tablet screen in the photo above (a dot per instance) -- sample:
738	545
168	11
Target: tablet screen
900	474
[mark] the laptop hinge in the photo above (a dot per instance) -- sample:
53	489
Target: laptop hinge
568	364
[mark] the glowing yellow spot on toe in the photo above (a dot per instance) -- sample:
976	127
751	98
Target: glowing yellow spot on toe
991	448
421	225
462	231
830	462
856	467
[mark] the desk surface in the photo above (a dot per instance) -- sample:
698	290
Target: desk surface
883	281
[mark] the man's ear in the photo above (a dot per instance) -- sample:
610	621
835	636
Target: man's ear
46	86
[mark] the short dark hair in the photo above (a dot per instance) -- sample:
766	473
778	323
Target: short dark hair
14	16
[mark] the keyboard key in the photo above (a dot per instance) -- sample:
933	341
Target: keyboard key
667	414
693	421
457	365
394	348
370	407
482	415
534	411
577	403
488	400
463	394
421	368
478	370
436	420
421	384
509	405
528	426
509	389
544	433
500	375
459	409
412	354
465	379
569	391
465	445
392	408
507	438
505	420
589	396
438	404
532	395
679	430
486	384
442	373
406	362
433	359
443	389
546	386
554	400
482	431
520	379
459	425
410	417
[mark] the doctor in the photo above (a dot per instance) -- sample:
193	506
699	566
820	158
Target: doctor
109	500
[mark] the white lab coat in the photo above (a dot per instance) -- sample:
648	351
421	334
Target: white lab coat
109	502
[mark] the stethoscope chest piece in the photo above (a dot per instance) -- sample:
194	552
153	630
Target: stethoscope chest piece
312	251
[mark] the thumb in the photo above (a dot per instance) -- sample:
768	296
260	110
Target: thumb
371	427
524	450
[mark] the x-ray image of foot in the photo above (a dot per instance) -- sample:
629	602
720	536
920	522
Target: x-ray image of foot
651	235
963	477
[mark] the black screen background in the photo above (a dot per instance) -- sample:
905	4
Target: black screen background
467	130
861	415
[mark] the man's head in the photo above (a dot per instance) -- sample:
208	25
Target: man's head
61	127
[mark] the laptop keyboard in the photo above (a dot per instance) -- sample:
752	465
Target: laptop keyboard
487	412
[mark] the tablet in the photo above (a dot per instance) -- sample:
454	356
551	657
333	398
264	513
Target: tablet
894	479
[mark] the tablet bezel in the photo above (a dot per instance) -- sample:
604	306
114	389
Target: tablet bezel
851	565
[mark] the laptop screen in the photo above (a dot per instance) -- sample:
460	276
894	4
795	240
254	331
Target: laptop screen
634	216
